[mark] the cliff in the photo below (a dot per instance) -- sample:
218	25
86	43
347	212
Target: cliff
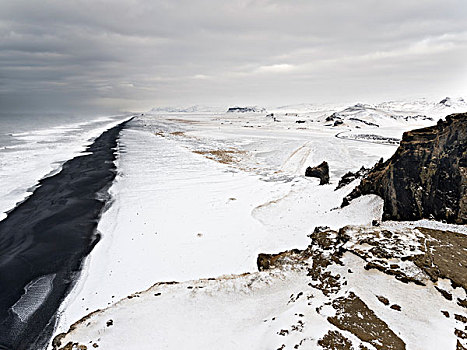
426	177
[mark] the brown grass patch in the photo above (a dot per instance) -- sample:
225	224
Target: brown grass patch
186	121
178	133
222	156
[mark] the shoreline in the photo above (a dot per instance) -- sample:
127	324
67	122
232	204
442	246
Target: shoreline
44	240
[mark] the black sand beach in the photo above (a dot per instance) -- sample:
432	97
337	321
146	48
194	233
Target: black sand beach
44	240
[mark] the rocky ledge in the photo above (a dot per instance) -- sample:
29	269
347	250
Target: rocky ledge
392	287
432	259
426	177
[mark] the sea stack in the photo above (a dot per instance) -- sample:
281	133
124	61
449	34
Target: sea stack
321	171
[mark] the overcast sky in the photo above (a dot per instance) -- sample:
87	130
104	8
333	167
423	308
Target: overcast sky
137	54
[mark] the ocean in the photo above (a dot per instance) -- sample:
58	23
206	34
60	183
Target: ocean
44	240
34	146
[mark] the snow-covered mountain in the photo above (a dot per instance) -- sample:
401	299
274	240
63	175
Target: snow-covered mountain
449	105
434	109
392	113
365	115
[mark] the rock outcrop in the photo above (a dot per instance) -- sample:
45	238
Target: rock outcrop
321	171
350	176
253	109
426	177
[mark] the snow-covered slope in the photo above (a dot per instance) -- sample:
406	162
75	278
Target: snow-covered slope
358	293
199	196
364	115
433	109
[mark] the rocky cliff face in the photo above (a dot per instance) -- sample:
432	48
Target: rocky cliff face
426	177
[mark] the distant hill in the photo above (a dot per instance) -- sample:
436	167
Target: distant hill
248	109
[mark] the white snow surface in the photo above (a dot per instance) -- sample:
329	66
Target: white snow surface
198	196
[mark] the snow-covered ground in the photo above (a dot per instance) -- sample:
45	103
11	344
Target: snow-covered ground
200	195
266	310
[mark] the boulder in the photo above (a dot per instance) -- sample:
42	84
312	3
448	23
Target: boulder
321	171
338	122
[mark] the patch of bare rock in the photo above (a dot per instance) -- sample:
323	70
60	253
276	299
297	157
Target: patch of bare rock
416	256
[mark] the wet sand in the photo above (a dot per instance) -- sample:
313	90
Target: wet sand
45	239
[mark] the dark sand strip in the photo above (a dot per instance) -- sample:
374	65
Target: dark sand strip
49	235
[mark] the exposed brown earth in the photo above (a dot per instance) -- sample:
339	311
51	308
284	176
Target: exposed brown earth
221	156
269	261
437	254
334	340
444	256
185	121
177	133
354	316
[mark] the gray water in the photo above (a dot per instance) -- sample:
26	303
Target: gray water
33	146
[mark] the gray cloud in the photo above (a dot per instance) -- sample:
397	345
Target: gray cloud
135	54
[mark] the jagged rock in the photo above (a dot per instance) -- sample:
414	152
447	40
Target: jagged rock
268	261
338	122
449	102
333	117
321	171
426	177
364	122
350	176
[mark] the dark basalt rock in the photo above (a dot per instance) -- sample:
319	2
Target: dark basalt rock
338	122
321	171
350	176
333	117
364	122
245	109
426	177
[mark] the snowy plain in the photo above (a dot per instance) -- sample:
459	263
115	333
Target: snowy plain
199	195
